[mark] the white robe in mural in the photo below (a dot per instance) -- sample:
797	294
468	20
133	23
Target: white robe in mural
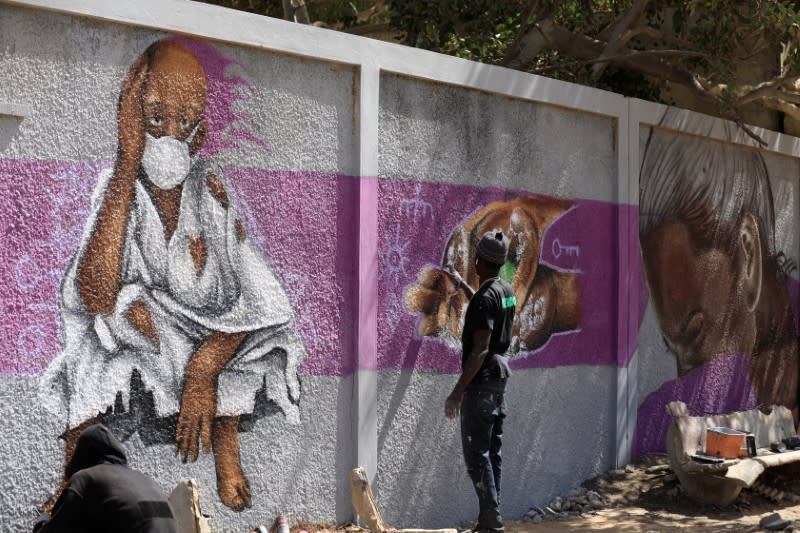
236	292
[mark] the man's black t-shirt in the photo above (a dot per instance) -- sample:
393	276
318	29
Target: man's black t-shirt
491	308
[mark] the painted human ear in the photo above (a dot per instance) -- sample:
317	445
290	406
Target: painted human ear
199	138
748	255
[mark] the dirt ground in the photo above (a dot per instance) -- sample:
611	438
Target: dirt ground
644	502
654	502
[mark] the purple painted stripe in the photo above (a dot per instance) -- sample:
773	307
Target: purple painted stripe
367	274
307	225
43	208
720	386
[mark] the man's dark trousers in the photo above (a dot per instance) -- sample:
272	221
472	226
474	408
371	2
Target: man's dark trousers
482	414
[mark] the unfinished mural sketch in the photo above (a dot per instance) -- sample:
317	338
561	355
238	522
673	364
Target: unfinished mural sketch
718	284
548	300
174	325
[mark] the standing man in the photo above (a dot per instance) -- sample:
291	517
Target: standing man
479	392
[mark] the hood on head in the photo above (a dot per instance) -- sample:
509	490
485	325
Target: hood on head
96	445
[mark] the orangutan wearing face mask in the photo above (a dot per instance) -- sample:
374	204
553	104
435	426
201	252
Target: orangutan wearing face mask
168	306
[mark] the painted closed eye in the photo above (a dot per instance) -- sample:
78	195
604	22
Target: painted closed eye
184	122
693	328
156	121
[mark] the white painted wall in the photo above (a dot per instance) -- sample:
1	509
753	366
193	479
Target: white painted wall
331	102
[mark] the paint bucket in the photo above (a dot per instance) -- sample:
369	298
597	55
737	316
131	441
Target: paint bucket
726	443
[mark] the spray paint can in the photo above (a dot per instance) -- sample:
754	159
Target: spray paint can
281	524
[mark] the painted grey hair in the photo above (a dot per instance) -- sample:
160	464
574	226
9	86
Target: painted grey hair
707	185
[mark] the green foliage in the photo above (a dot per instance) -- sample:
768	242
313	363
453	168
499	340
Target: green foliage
729	42
270	8
473	29
339	14
734	35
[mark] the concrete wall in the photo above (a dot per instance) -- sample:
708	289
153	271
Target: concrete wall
334	175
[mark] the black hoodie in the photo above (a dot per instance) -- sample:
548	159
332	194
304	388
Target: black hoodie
104	495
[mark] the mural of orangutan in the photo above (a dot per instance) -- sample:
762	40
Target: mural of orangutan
174	325
548	301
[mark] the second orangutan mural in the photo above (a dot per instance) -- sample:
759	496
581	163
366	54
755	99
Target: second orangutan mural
548	300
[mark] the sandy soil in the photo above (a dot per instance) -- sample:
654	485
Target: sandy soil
654	503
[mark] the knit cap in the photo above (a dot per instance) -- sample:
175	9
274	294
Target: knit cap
493	247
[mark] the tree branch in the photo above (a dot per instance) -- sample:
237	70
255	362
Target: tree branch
295	11
779	94
627	55
617	40
656	35
767	89
768	93
514	49
784	107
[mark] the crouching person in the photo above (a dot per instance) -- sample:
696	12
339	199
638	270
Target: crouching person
103	494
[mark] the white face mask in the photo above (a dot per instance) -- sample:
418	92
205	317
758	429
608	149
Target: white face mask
166	160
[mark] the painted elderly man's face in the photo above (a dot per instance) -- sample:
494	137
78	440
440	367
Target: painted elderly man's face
698	298
174	99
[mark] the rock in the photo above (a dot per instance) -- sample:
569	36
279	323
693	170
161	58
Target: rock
669	478
556	504
563	515
576	492
655	469
773	522
536	519
592	495
629	469
596	504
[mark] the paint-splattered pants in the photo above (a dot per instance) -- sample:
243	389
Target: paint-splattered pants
482	414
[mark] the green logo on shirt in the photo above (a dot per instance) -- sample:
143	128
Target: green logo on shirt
509	301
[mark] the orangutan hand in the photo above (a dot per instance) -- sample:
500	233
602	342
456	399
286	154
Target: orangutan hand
130	116
198	409
432	298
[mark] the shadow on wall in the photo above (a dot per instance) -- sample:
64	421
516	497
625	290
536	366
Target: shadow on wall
545	451
719	287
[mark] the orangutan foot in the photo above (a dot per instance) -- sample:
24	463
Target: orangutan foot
232	485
